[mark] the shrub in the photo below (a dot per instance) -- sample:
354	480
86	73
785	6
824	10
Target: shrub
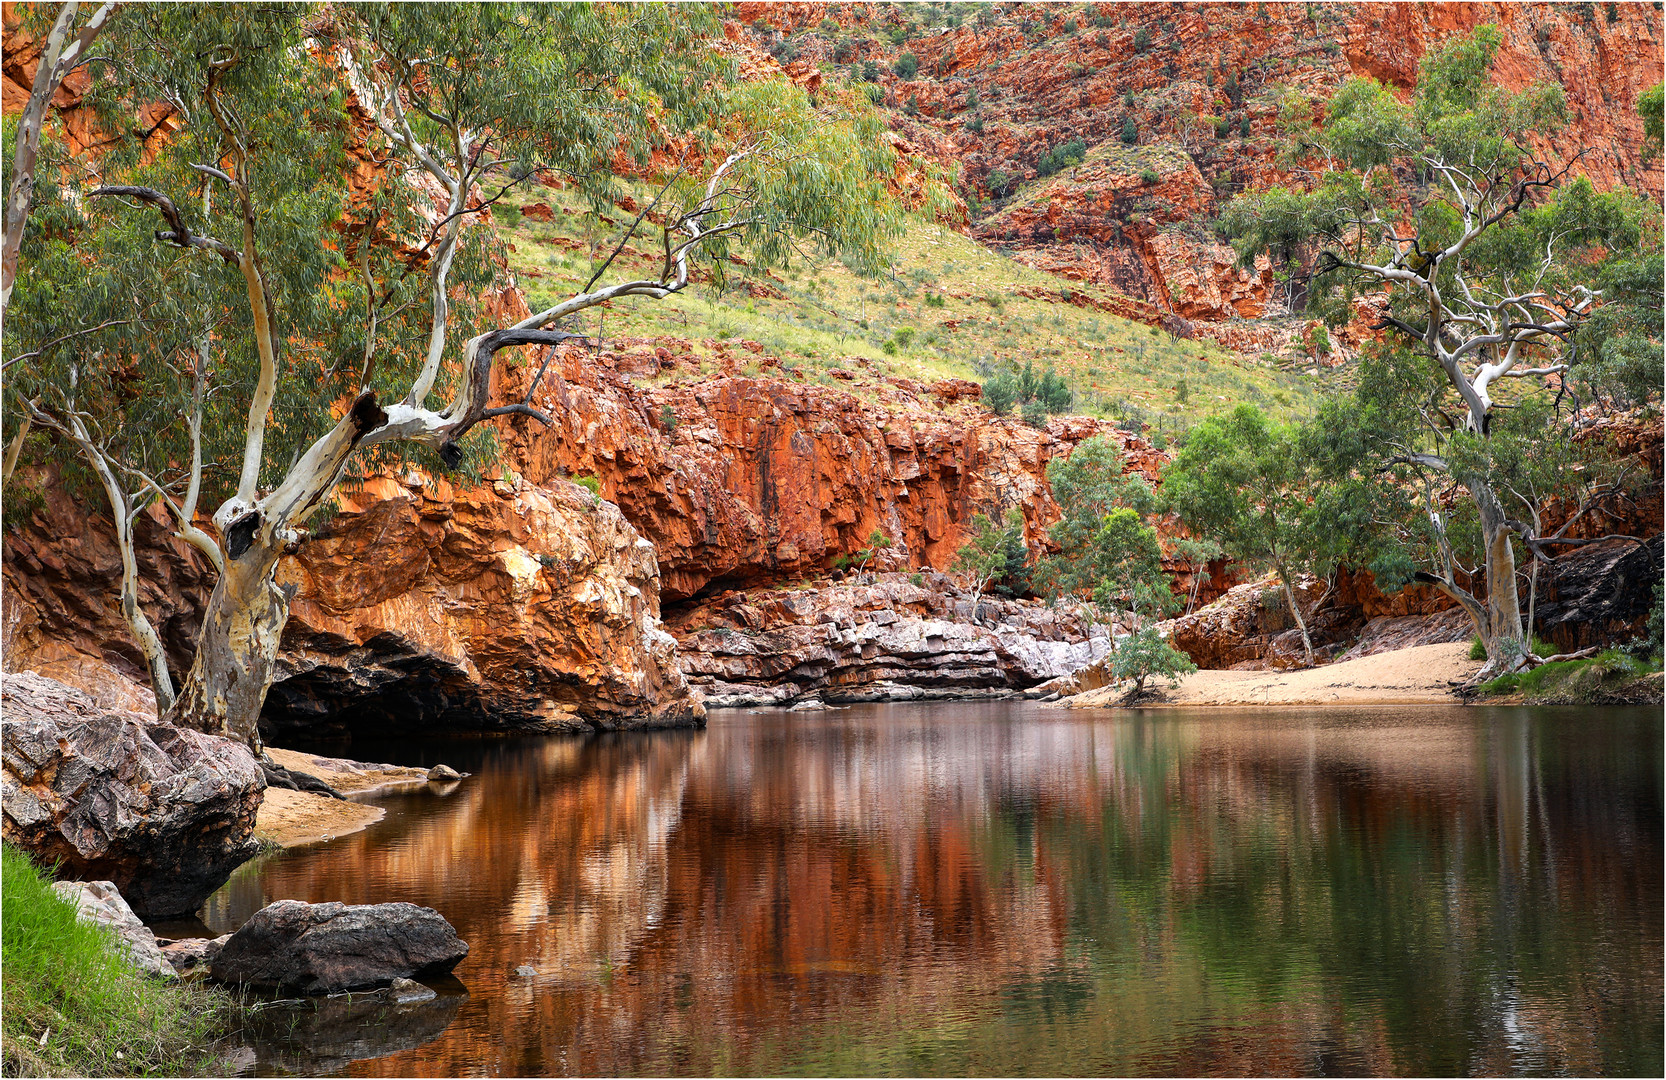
1035	414
933	300
1070	26
870	71
904	336
1062	157
590	484
1130	133
507	216
876	93
907	66
1000	392
911	107
829	27
917	580
997	181
1244	128
889	348
1150	176
1142	40
972	100
975	125
668	419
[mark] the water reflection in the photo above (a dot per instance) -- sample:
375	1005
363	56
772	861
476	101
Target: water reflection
998	888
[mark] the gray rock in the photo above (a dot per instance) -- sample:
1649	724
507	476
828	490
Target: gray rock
444	772
163	812
99	903
808	706
409	991
526	971
322	948
192	956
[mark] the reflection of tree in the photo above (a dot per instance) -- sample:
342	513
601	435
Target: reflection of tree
946	890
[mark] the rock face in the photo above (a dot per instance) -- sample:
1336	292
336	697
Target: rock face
997	93
163	812
890	640
516	606
1250	628
100	903
322	948
1600	594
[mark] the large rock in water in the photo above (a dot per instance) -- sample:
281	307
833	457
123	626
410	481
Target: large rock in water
322	948
163	812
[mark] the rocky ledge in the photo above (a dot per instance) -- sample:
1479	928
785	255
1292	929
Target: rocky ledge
889	637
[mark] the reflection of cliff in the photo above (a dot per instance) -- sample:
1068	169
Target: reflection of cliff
952	889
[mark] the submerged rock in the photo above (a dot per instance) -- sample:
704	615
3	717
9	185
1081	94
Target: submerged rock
100	903
163	812
444	772
191	956
297	947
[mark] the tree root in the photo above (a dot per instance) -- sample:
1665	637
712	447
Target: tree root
293	780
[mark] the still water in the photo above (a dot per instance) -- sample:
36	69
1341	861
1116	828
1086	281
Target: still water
1003	888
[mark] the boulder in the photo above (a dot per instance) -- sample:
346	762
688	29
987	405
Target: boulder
444	772
163	812
297	947
99	903
191	956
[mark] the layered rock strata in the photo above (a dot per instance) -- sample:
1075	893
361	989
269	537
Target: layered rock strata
891	637
162	812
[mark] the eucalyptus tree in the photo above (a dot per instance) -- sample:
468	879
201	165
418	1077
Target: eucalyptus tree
281	324
1243	481
1489	257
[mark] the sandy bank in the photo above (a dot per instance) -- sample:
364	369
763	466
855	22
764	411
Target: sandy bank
293	818
1421	675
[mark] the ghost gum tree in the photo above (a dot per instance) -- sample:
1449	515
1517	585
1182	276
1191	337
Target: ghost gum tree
220	318
1493	263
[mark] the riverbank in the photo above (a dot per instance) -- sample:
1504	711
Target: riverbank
1421	675
74	1004
293	818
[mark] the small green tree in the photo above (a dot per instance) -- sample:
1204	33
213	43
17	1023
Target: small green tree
1242	480
1130	133
1142	40
1144	654
1000	393
984	556
907	66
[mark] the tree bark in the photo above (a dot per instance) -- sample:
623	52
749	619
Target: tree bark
1296	611
1502	634
237	649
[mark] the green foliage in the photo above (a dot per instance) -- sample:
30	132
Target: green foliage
1244	127
1000	393
1150	176
917	580
1107	553
1035	414
1145	654
1130	133
72	1000
987	553
907	66
1571	679
589	483
1651	106
1062	157
997	181
667	419
1142	40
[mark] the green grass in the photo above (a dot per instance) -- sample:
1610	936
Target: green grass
948	308
1588	680
74	1006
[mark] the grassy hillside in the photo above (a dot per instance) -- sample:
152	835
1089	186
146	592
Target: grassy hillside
950	308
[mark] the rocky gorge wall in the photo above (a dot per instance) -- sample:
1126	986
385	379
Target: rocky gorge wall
1012	82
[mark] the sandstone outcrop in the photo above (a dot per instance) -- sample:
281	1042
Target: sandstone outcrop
885	639
323	948
504	606
163	812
